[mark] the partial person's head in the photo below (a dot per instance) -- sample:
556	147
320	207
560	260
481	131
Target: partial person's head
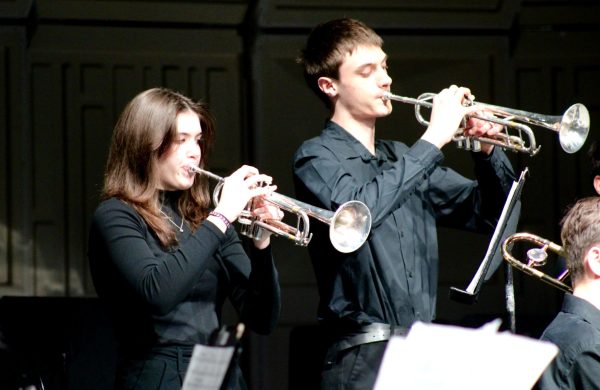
594	155
580	235
158	134
326	60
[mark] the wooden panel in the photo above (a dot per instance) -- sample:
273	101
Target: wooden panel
15	8
4	177
15	189
559	13
224	12
49	159
396	14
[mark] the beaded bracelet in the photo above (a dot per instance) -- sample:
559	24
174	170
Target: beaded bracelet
221	217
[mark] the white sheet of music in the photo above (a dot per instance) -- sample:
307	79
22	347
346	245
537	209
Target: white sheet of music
451	358
207	368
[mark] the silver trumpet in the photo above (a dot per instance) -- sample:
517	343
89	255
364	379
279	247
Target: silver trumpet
572	127
349	225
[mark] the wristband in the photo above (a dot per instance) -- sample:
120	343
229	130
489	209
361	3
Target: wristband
221	217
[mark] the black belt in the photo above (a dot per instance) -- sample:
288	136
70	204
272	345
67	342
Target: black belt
370	333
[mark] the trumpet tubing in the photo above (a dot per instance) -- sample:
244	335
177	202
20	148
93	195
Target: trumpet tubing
572	127
349	225
537	257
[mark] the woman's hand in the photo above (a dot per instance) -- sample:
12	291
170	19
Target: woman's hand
239	188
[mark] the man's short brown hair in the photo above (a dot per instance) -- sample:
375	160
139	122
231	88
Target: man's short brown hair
326	47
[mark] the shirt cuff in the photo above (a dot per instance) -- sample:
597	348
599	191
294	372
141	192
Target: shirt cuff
215	229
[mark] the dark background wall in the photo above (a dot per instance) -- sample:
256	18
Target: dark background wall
67	67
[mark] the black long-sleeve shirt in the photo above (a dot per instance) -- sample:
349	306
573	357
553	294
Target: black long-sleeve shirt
174	296
576	333
392	278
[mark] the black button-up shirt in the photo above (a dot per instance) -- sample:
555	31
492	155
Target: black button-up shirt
576	332
393	277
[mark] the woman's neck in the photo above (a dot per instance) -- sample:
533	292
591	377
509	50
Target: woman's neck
169	198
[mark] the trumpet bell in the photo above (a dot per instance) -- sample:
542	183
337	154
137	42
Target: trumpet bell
574	128
350	226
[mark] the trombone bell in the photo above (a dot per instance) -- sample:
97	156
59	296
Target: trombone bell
536	257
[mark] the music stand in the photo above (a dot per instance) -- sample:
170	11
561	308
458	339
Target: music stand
506	226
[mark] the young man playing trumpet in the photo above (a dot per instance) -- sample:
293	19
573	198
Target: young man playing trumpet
391	281
576	329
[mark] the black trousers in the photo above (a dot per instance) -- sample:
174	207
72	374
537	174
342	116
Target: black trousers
164	368
354	368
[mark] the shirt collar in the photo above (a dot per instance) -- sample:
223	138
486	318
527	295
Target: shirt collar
585	309
353	147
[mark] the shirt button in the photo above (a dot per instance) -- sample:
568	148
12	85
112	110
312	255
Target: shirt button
401	234
410	275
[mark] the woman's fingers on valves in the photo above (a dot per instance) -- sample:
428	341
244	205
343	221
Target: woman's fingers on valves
258	180
245	171
247	183
267	211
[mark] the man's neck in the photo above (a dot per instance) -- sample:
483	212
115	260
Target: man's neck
362	130
590	292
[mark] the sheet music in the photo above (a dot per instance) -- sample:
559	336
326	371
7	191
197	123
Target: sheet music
444	357
208	367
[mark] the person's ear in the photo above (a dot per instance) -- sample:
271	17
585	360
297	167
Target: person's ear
592	259
327	85
597	184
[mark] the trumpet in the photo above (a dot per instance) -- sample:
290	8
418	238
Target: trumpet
572	127
537	257
349	225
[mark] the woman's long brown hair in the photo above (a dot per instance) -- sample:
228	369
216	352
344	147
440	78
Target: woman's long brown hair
143	134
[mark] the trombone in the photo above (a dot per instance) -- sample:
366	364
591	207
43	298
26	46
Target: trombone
537	257
349	225
572	127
